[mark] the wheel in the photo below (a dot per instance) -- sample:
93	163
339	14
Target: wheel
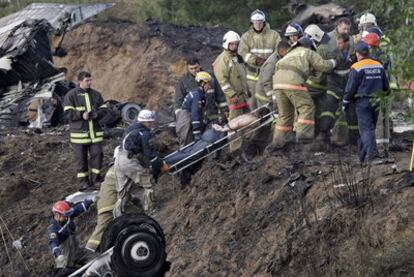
138	252
127	220
129	112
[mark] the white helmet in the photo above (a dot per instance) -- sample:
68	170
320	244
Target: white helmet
314	32
367	18
146	116
229	37
294	29
257	15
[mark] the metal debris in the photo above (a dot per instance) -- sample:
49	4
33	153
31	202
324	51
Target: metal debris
31	86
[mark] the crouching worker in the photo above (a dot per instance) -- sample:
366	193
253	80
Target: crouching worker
137	163
61	234
105	206
191	125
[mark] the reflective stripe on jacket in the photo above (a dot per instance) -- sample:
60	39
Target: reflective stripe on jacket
296	67
76	102
231	75
366	78
254	44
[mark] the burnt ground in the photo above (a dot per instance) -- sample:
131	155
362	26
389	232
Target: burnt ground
277	215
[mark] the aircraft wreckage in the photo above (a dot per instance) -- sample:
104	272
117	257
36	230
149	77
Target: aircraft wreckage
31	86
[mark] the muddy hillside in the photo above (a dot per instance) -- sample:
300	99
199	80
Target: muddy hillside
278	215
138	62
292	213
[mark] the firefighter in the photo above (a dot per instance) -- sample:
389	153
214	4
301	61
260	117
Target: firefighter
367	77
61	235
332	100
293	32
215	109
256	45
264	86
137	163
366	21
382	132
316	83
343	26
83	108
292	96
231	75
105	205
193	109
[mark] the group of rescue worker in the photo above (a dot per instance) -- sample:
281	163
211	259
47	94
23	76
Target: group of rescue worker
322	85
305	76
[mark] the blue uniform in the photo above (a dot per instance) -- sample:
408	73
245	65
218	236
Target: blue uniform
194	102
365	79
59	232
136	141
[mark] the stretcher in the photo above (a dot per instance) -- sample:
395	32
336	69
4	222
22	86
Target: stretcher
211	148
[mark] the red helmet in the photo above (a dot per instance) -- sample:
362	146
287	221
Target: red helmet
60	207
372	39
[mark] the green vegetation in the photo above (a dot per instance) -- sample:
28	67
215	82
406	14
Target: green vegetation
396	15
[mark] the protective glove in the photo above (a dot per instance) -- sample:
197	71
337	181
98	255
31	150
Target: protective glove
259	61
95	198
165	168
69	212
345	105
60	261
177	111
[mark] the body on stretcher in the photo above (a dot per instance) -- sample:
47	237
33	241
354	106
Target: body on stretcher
215	139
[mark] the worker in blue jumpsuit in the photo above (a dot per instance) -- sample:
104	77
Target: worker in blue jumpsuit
366	78
193	108
61	234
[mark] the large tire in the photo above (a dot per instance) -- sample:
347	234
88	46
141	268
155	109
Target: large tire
129	112
138	252
120	223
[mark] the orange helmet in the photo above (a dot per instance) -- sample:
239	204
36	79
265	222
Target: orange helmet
60	207
372	39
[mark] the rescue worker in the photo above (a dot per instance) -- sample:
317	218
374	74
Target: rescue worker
61	235
105	205
293	32
366	21
264	86
256	45
332	100
343	26
137	163
216	108
193	109
292	97
382	132
231	75
83	108
367	77
316	83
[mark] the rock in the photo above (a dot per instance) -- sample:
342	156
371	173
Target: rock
18	244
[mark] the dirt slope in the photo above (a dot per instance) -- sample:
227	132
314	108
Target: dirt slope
234	219
137	62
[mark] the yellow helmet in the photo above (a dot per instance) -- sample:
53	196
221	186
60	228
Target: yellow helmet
203	76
